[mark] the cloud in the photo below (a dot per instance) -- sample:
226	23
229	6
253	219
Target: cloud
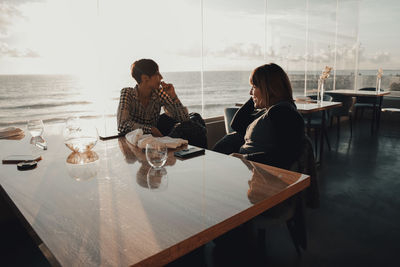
7	51
380	57
7	14
240	50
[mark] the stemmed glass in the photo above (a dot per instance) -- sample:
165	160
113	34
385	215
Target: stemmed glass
156	154
35	127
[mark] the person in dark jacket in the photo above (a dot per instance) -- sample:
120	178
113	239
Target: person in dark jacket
268	127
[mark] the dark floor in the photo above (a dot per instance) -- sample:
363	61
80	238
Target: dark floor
358	223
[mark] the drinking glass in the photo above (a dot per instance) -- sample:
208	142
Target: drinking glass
156	154
80	137
35	127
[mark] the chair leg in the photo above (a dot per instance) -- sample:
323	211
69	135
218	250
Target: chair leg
351	125
326	138
316	141
294	235
297	227
338	126
356	114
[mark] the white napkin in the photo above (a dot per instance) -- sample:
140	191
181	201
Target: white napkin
139	139
172	142
10	131
134	136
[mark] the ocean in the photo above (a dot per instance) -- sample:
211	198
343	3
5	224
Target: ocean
53	98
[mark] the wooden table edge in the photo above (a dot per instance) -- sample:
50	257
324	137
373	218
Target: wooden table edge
202	238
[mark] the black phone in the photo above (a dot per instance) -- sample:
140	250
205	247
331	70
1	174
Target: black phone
15	159
189	152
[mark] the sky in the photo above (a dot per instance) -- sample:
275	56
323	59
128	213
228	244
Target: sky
103	36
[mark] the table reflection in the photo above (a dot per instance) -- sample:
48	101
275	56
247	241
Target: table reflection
263	184
39	142
83	166
146	176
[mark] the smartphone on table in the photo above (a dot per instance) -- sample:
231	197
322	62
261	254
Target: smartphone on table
189	152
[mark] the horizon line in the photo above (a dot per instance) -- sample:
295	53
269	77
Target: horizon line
75	74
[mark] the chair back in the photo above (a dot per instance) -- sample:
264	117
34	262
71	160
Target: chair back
306	164
366	99
316	117
325	98
228	116
347	105
368	89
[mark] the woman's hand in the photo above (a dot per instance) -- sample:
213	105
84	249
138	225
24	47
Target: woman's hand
169	89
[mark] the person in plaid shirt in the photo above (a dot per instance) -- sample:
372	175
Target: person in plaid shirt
139	107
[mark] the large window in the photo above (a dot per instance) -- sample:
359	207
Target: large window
233	44
68	57
379	45
286	34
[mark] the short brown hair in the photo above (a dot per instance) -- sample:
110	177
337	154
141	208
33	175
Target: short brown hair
143	66
273	82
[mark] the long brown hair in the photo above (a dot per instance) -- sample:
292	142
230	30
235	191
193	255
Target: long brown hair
273	82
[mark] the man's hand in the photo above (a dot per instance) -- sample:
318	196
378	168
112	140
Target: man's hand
155	132
169	89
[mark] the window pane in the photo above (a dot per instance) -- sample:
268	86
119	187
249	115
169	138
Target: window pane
321	41
380	41
347	46
286	39
41	42
233	47
165	31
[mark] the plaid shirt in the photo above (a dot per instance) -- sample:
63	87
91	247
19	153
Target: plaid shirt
133	115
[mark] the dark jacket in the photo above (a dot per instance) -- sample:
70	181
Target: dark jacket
272	136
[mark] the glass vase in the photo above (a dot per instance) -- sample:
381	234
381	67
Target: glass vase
320	91
378	84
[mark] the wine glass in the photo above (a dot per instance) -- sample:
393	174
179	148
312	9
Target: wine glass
35	127
78	136
156	154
